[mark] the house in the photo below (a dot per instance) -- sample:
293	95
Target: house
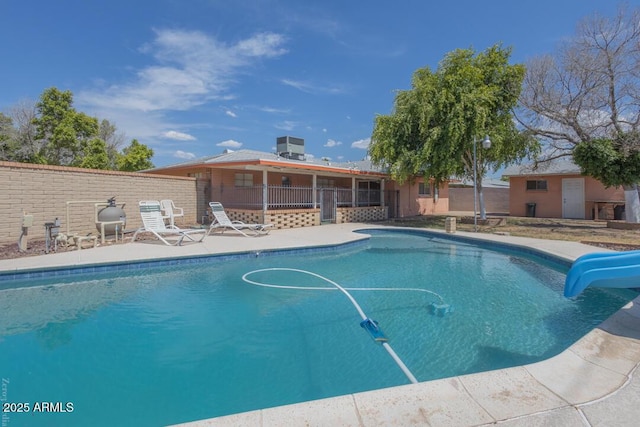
559	190
289	189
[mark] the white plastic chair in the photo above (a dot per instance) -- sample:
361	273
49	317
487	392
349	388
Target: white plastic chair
222	222
170	212
153	222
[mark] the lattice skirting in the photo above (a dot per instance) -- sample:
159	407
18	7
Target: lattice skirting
366	214
289	218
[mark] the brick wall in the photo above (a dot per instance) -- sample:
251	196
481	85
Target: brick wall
496	199
364	214
245	215
43	191
293	218
283	218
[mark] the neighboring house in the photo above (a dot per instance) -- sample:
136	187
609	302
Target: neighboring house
289	190
559	190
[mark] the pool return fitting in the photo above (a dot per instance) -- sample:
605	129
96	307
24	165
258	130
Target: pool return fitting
367	323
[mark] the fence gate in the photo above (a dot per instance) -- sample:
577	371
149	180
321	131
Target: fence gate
328	202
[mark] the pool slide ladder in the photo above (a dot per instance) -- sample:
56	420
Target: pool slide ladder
367	323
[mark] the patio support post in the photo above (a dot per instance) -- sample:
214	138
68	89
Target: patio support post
354	193
314	190
382	192
265	193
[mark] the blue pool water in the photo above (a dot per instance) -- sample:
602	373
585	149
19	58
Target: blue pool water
163	345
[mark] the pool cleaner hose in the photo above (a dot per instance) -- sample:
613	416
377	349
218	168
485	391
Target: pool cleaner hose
368	324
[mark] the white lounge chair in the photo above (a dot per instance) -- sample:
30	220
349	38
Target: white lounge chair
221	222
170	212
153	222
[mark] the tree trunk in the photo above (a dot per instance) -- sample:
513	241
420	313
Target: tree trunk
632	203
483	213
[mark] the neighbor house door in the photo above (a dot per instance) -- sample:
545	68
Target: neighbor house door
573	198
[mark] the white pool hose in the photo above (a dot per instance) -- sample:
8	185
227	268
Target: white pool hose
362	314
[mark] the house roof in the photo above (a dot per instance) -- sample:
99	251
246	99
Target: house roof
486	183
559	167
266	160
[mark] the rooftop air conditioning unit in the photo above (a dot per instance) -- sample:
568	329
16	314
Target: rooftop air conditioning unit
290	147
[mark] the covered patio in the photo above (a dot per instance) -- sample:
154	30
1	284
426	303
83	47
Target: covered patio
258	187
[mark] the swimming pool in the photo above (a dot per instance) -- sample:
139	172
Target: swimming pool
165	345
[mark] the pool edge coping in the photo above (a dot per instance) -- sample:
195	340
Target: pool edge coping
342	409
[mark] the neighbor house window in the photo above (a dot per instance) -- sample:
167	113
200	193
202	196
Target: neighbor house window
536	185
244	180
424	189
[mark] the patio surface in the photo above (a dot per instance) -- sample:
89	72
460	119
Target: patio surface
593	383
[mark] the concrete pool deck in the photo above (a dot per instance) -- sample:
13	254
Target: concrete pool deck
593	383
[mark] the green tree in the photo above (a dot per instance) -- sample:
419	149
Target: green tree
113	141
432	128
27	146
583	102
135	157
95	155
8	143
52	132
612	162
63	130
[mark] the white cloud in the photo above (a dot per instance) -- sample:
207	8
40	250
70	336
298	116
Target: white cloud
273	110
332	143
184	155
229	143
312	88
286	125
231	114
179	136
263	45
324	130
362	144
189	69
301	86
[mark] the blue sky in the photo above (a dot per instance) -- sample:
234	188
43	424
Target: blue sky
190	78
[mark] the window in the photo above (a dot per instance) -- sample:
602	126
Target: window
244	180
537	185
325	183
424	189
286	181
368	185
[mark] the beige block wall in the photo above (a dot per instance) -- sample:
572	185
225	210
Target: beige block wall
293	218
278	219
43	191
363	214
496	199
